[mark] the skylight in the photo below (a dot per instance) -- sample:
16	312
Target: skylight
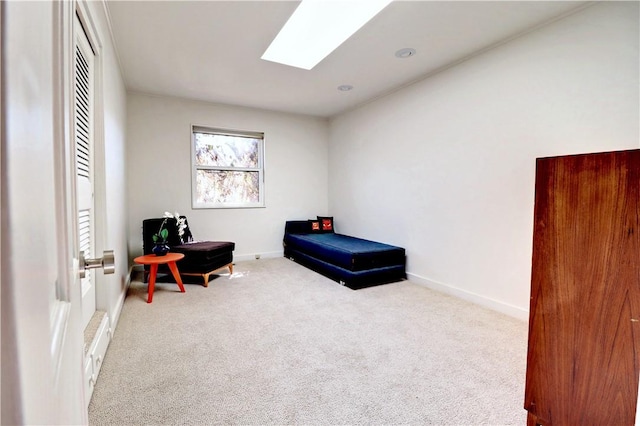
317	28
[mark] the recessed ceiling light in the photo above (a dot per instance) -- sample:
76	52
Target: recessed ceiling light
317	28
407	52
345	87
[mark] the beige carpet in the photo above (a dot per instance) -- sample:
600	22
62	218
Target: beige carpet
279	344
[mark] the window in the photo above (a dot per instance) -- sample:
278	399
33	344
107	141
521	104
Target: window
228	168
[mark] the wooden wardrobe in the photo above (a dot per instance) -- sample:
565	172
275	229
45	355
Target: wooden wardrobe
583	360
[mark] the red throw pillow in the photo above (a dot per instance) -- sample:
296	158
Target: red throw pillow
326	223
314	226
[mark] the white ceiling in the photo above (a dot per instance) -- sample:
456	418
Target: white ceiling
210	50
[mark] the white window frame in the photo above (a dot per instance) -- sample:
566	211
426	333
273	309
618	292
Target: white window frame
194	168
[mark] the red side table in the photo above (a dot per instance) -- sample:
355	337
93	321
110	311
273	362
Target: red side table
170	259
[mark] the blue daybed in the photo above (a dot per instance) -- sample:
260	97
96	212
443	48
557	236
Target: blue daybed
353	262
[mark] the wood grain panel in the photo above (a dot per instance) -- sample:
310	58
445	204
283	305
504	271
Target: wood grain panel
584	335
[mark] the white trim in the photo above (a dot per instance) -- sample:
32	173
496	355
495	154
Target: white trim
120	304
89	25
61	321
60	316
115	50
496	305
263	255
505	308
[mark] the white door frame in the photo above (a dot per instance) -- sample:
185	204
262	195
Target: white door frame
99	173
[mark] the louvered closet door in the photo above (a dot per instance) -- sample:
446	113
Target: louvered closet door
84	75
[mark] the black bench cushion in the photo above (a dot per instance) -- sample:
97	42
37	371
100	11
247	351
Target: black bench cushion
204	256
204	250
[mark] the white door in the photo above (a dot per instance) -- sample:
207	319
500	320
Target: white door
42	339
84	143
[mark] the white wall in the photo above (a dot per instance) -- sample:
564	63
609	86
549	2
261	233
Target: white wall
159	171
112	179
445	167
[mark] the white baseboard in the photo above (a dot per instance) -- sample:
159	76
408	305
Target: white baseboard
120	304
505	308
264	255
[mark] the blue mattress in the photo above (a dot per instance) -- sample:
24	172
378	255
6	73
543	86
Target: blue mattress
353	262
352	279
351	253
